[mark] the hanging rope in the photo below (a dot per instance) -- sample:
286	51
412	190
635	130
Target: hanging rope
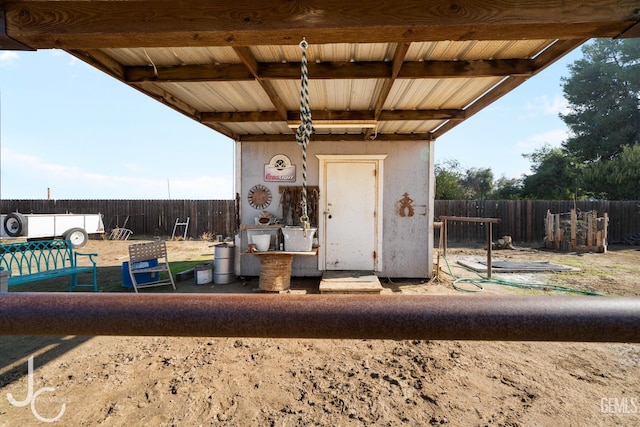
303	134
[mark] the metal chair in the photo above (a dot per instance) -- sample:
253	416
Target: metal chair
151	260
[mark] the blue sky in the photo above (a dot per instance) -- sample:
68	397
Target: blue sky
70	128
520	122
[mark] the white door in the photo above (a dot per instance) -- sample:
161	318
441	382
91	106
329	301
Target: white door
350	205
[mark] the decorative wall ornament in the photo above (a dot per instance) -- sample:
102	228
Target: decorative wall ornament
405	205
280	168
259	197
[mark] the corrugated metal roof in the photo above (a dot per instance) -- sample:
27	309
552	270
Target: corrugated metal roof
253	91
475	50
416	68
166	57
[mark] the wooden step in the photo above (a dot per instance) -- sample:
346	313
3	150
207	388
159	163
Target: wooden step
350	282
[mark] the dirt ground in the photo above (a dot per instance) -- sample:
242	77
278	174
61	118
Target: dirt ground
168	381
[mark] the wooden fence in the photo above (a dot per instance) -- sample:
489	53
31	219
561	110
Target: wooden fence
522	220
143	217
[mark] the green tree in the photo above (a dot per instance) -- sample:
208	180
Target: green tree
603	91
618	179
555	175
477	183
506	189
454	183
599	156
448	176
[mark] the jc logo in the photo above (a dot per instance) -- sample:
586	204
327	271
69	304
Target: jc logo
31	397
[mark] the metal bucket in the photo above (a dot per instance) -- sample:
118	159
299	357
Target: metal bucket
203	273
223	265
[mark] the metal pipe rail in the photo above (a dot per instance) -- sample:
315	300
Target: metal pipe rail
443	317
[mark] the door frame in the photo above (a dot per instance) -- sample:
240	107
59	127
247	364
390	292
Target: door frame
323	159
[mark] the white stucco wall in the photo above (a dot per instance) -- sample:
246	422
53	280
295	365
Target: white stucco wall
407	241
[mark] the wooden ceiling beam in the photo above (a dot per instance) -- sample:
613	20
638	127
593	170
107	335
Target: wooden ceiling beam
346	137
396	65
274	116
265	71
249	60
80	24
507	85
100	60
327	70
330	70
241	117
223	130
554	52
633	32
188	73
475	68
413	115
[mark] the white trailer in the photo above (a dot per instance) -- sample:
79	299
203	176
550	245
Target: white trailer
74	227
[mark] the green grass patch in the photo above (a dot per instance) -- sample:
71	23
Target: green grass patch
176	267
585	266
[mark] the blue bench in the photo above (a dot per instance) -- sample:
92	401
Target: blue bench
45	259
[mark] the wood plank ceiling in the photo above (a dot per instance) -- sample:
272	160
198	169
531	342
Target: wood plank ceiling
378	70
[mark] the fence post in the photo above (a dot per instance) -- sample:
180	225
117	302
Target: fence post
574	227
605	239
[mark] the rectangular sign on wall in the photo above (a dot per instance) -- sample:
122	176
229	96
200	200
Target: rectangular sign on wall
280	168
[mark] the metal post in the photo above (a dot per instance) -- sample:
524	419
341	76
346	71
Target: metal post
489	247
444	239
489	221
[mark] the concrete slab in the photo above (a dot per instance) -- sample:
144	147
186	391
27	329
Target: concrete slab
350	282
499	266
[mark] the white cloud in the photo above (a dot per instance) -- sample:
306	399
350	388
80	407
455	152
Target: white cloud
557	105
73	61
7	57
202	187
544	105
67	182
553	137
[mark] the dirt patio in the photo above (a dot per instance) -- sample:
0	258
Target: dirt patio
212	381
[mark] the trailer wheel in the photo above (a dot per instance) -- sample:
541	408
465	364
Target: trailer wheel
15	224
77	236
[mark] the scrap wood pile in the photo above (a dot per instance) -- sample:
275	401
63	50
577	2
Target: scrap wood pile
576	231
